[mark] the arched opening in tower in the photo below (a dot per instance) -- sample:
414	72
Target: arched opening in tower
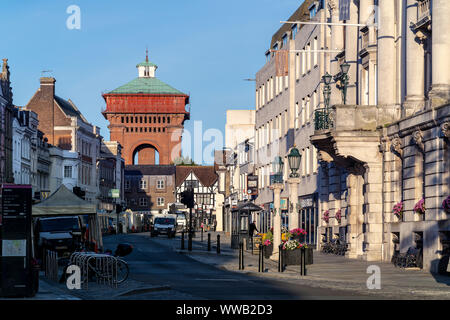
145	154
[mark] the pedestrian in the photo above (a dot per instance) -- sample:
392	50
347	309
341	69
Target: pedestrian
215	225
252	228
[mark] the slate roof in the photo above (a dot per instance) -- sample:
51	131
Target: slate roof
146	85
69	108
206	174
149	170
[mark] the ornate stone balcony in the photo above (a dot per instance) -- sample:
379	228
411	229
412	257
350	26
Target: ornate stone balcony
346	132
424	10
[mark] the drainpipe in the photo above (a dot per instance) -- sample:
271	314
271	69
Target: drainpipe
383	151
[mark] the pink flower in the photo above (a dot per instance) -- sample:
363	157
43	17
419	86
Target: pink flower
420	206
326	216
446	204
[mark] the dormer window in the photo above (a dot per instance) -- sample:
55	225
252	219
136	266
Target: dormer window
314	8
285	40
294	31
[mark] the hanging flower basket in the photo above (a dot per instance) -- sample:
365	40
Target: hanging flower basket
446	204
398	210
326	216
420	206
338	216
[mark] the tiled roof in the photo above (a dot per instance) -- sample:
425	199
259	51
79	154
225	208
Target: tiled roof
146	64
146	85
206	174
69	108
149	170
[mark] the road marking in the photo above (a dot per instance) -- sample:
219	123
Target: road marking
234	280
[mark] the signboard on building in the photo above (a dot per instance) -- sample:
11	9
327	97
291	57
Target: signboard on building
114	193
252	185
284	203
307	202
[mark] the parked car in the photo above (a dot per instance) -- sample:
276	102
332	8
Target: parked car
62	234
164	225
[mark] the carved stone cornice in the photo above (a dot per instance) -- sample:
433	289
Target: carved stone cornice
445	128
418	139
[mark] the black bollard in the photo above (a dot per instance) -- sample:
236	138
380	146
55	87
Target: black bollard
259	258
262	258
218	244
280	258
190	241
302	262
240	255
182	240
209	241
201	236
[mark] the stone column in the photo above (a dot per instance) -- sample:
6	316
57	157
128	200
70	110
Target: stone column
355	218
440	88
351	55
337	43
415	64
373	211
386	53
277	188
293	202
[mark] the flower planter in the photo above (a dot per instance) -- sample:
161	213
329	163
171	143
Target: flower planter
292	257
268	251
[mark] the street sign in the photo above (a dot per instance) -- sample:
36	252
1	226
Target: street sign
114	193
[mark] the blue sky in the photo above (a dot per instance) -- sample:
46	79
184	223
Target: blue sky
202	47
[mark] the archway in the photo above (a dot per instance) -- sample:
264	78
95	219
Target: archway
145	154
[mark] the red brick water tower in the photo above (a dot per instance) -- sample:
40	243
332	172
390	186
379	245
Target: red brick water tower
147	117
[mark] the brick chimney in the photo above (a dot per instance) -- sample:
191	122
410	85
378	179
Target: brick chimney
48	88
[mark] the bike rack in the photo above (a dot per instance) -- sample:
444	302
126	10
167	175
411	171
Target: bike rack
104	267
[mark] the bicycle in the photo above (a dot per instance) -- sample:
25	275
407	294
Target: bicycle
106	267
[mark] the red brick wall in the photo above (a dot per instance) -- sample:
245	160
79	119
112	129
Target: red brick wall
49	114
168	144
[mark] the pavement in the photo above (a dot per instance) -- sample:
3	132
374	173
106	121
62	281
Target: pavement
329	272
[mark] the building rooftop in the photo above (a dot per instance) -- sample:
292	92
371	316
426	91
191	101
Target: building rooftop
147	86
149	170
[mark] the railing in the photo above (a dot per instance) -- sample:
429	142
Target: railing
322	119
51	265
423	9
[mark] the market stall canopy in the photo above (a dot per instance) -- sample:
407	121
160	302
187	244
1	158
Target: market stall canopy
63	202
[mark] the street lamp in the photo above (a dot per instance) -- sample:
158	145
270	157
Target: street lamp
327	89
294	159
277	167
343	78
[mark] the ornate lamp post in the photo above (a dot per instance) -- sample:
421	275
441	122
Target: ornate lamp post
327	89
277	187
294	159
343	78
